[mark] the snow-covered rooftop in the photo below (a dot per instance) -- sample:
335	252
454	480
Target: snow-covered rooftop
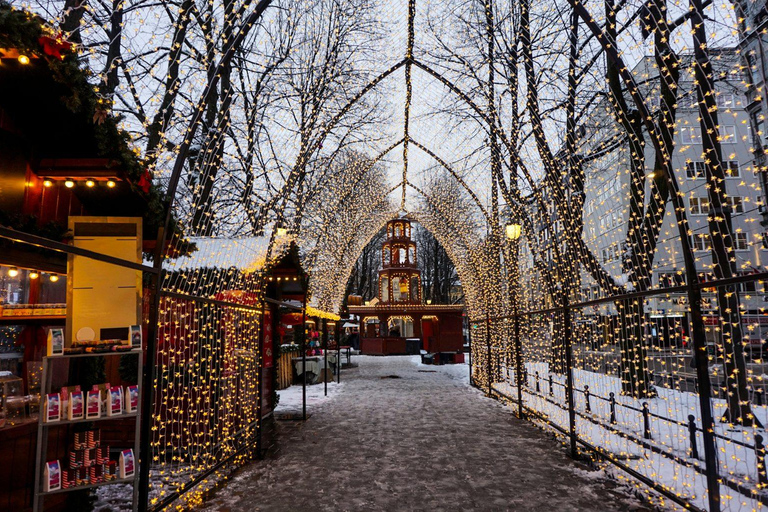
248	254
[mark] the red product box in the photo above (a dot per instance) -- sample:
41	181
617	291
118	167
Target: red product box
96	474
77	459
82	476
90	457
67	478
93	438
80	440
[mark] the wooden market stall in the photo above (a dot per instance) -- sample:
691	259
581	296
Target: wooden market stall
398	321
63	164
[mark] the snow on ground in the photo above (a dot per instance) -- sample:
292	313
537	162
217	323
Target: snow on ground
291	398
736	461
398	435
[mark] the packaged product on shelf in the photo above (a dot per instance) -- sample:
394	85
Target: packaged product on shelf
52	407
82	476
90	457
77	459
102	455
136	336
75	409
93	438
80	441
127	464
104	396
131	398
110	470
55	341
93	405
52	476
96	474
67	478
115	407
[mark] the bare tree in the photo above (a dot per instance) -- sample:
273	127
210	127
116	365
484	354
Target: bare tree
438	273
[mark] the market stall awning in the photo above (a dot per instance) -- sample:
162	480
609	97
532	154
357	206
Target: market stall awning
319	313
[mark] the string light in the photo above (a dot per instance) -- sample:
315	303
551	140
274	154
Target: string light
599	192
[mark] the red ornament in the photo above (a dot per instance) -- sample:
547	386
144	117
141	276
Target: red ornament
145	182
53	46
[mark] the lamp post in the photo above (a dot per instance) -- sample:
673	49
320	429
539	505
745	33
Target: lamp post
513	232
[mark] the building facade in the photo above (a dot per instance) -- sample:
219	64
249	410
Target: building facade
606	212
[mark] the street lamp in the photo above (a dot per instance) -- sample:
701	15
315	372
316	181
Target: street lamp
513	231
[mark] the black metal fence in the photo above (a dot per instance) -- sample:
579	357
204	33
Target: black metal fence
637	402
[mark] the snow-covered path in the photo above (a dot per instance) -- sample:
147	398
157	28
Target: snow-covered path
423	441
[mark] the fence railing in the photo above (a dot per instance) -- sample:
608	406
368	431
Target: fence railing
650	423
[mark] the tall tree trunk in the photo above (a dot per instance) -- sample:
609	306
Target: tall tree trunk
114	50
635	379
721	231
72	15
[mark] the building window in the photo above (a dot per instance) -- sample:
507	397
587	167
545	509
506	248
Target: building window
701	242
748	286
736	204
697	169
756	130
731	168
670	279
725	100
752	62
689	101
740	241
728	134
690	135
699	205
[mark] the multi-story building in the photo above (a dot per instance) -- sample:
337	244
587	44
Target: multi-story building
753	46
607	198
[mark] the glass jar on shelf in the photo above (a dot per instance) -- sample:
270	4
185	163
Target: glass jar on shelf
13	398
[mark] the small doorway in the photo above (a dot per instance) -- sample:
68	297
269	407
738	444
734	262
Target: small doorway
429	333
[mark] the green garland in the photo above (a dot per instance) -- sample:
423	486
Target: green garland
23	30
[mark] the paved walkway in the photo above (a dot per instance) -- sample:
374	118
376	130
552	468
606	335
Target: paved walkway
422	441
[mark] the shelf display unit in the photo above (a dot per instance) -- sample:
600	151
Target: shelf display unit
44	428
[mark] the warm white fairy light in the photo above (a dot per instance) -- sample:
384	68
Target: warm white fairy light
283	151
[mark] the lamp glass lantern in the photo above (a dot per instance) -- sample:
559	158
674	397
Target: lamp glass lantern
513	231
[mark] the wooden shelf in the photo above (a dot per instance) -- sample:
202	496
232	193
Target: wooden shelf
11	320
90	486
100	418
43	431
92	354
